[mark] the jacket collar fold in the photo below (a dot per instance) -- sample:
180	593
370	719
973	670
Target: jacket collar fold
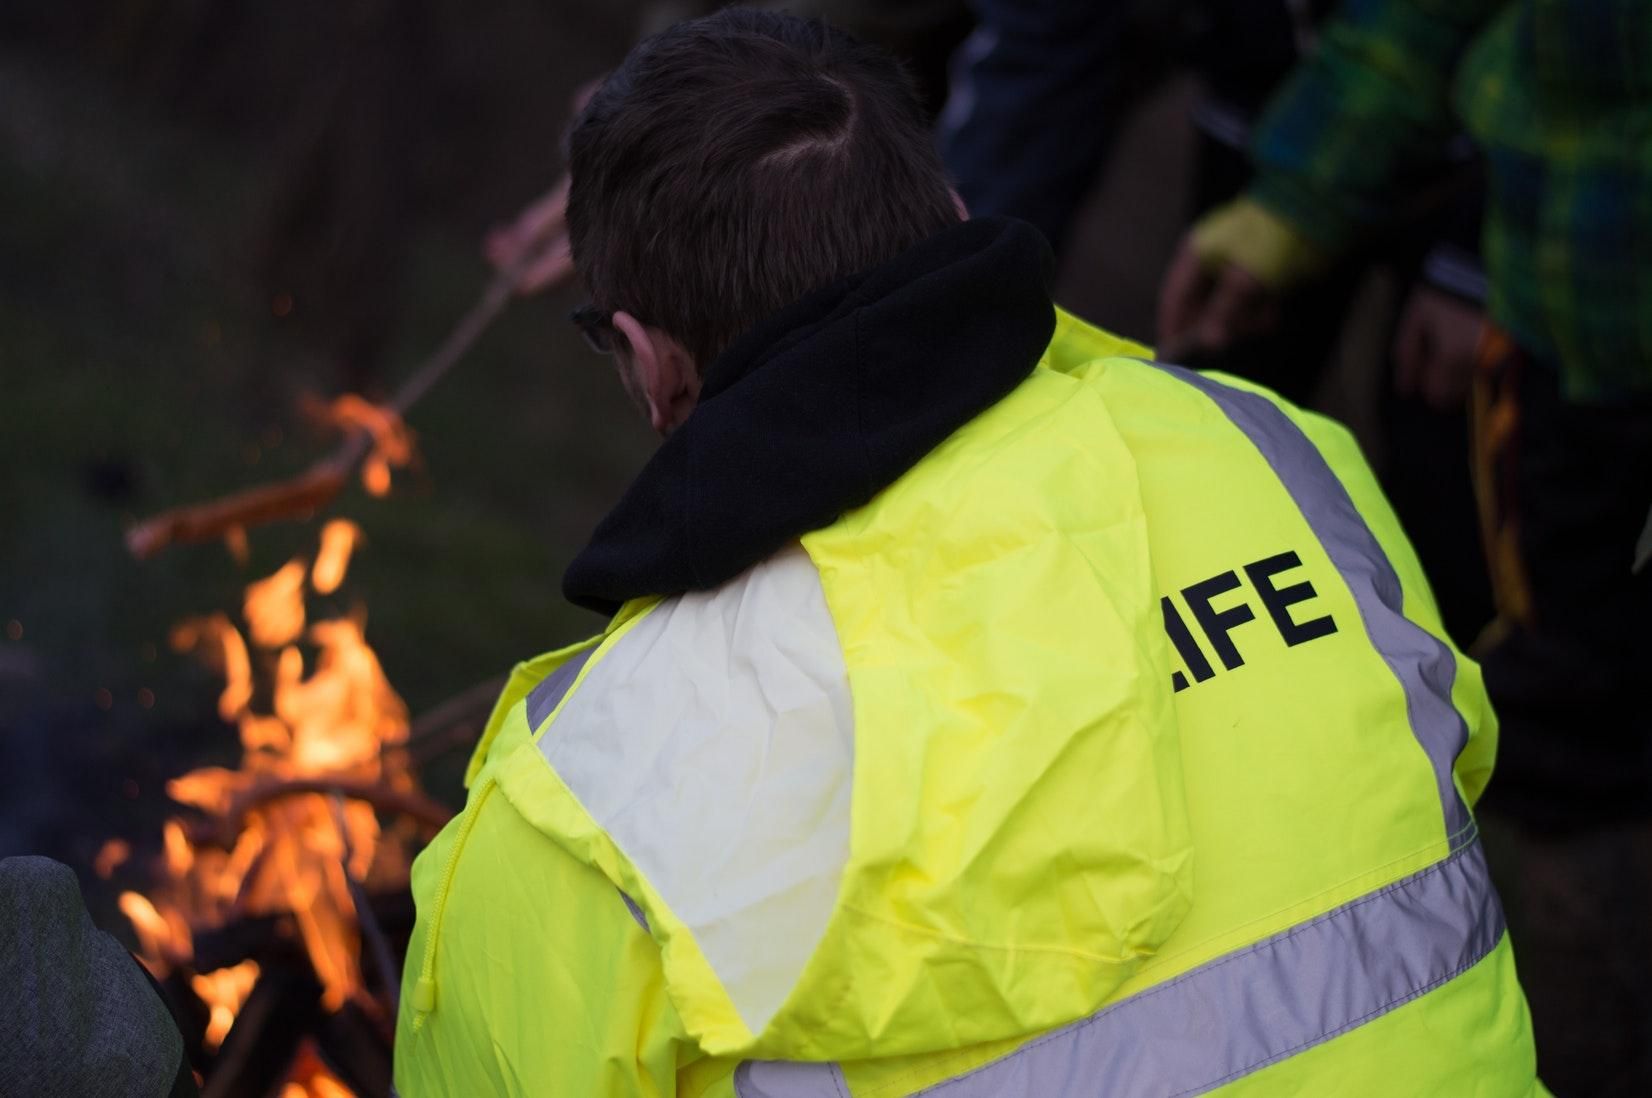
815	410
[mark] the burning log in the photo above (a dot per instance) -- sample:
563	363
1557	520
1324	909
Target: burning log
279	1014
245	939
273	939
357	1049
257	925
224	829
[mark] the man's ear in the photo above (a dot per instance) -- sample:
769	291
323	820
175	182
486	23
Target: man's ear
666	377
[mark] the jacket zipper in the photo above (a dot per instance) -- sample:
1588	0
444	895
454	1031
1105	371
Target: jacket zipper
424	990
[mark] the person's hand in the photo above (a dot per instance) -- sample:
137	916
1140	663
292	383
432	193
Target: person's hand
1434	348
1229	276
535	245
1207	305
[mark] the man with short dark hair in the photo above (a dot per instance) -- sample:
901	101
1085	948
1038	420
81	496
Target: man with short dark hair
726	155
984	709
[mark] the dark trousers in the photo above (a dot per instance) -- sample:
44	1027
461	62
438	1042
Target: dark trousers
1564	491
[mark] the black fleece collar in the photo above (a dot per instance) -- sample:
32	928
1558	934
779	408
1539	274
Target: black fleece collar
817	409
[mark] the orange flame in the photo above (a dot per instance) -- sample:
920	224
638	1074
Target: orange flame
221	645
110	857
223	991
392	440
274	607
331	713
311	1079
162	937
180	856
338	540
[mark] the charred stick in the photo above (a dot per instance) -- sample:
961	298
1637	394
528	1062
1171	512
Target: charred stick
372	933
263	938
357	1050
282	1009
273	939
223	830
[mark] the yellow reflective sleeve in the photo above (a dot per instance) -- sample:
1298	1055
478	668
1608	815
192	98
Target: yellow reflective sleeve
545	982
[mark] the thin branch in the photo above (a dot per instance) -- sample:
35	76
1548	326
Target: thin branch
315	488
468	705
454	723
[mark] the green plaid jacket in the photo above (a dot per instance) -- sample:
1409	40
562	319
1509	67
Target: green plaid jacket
1557	94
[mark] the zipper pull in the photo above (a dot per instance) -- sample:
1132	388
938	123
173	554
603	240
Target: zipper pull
423	1001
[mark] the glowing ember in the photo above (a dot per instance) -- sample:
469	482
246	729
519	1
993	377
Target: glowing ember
271	844
235	539
223	992
338	541
110	857
375	476
392	441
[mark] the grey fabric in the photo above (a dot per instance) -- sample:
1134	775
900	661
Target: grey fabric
1241	1012
636	912
783	1079
1423	663
544	698
77	1015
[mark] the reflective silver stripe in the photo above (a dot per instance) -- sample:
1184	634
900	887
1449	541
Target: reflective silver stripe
544	698
1239	1013
1423	664
781	1079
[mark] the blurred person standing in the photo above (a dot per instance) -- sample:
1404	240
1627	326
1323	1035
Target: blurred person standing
1558	96
1039	93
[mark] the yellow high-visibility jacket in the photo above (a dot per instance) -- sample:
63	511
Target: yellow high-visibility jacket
1114	749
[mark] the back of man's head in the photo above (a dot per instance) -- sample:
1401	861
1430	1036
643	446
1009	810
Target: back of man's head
735	163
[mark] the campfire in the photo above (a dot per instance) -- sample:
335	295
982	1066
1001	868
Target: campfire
279	907
278	910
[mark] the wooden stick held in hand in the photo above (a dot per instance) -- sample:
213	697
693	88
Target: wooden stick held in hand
306	494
